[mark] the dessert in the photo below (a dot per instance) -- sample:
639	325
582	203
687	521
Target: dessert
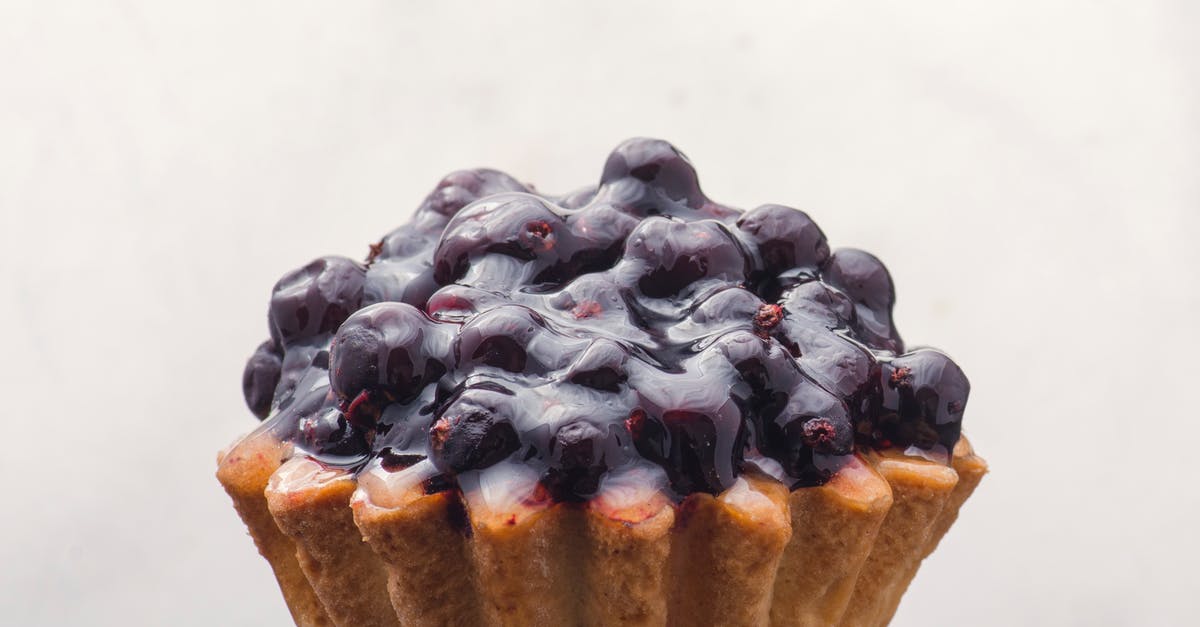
625	405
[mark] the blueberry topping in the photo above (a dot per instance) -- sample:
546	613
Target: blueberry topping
461	188
785	238
577	461
315	299
658	168
330	435
668	255
865	280
812	426
923	397
474	432
629	322
601	366
382	354
689	445
260	378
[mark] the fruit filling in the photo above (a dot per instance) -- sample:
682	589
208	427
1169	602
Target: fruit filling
635	323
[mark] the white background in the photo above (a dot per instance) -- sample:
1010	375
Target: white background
1028	170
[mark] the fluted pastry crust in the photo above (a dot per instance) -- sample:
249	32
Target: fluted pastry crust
756	554
312	507
833	526
245	469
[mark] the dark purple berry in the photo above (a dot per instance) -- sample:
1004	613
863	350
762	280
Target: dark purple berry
464	187
696	452
812	425
658	166
474	432
863	278
520	226
498	338
765	365
401	281
384	353
332	438
577	462
601	366
730	305
817	305
599	233
673	254
260	378
841	366
315	299
924	394
785	238
694	430
512	338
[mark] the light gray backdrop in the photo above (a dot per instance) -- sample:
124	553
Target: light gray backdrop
1028	170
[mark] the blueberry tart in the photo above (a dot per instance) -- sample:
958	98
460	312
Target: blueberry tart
626	405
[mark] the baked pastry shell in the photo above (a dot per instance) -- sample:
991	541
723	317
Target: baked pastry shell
378	550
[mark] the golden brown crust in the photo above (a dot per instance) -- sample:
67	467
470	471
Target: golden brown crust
244	472
623	539
970	469
833	526
842	553
920	491
426	556
725	554
527	560
312	507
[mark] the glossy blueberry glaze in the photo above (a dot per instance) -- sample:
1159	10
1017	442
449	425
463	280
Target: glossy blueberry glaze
636	321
